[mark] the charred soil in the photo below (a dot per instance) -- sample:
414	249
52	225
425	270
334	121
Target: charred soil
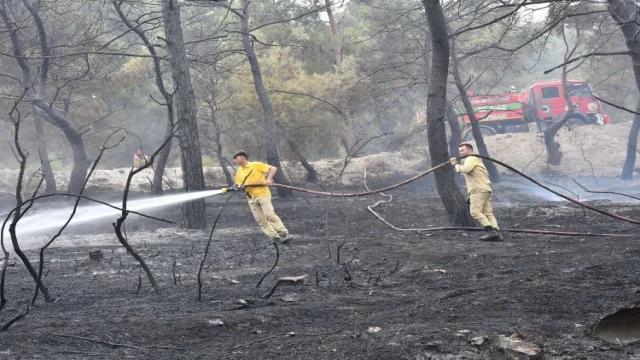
390	295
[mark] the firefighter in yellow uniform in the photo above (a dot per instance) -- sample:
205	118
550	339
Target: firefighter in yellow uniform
479	190
250	173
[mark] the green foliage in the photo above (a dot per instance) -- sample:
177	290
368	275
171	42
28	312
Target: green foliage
56	162
208	161
381	80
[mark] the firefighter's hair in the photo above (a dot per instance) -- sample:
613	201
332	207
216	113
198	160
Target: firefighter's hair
241	153
468	145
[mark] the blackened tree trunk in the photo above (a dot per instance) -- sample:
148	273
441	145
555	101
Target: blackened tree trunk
191	156
81	158
50	180
217	139
270	127
45	162
225	170
163	156
452	118
627	15
312	175
450	195
456	132
222	160
632	148
475	126
554	155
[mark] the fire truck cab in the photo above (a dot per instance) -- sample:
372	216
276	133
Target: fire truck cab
545	101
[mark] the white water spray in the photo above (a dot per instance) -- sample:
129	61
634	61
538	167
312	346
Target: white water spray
38	223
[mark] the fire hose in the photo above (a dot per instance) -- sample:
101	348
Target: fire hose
322	193
440	166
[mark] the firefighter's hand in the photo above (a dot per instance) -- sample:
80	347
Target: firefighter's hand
269	182
453	161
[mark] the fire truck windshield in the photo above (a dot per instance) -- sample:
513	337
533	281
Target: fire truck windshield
579	90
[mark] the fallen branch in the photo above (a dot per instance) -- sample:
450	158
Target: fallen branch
83	353
263	339
117	345
290	334
604	192
561	187
168	347
13	320
248	251
289	281
107	343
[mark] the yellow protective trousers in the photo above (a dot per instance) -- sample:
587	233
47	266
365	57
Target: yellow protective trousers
266	217
481	209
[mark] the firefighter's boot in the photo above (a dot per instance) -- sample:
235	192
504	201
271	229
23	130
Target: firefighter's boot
491	235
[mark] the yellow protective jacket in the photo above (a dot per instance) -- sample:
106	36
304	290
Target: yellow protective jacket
475	174
255	172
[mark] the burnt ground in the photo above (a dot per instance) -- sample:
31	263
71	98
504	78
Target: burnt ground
428	293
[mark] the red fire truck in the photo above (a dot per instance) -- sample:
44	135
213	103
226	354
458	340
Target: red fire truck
534	109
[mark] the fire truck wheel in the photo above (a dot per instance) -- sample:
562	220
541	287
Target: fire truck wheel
467	135
575	121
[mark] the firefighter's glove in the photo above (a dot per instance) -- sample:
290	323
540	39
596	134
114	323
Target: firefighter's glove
453	161
236	188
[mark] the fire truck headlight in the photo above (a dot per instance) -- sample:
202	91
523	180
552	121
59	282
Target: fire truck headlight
599	119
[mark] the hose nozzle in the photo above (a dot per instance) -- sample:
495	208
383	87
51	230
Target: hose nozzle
232	188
